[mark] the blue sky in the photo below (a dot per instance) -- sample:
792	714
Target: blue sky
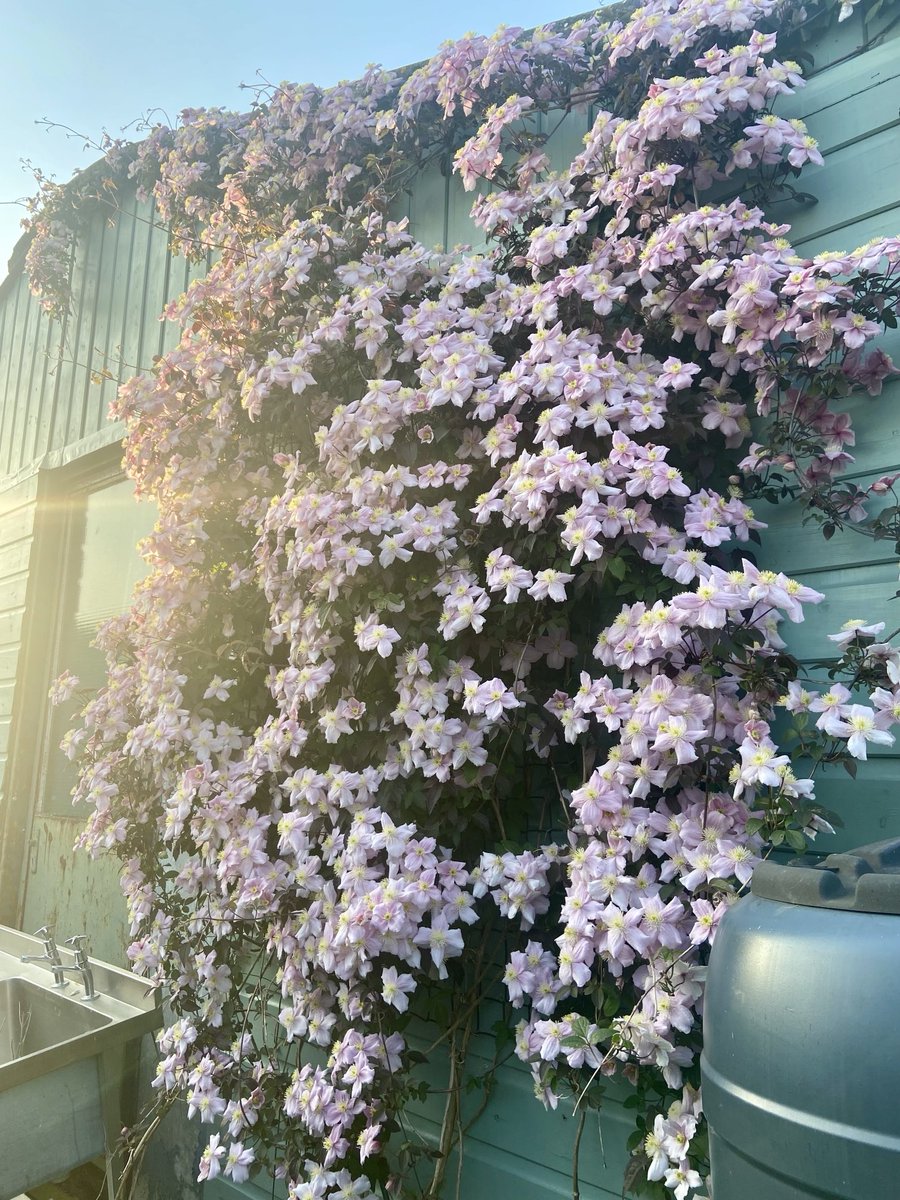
99	64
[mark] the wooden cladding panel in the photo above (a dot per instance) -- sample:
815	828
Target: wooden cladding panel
15	306
854	100
17	514
57	378
851	106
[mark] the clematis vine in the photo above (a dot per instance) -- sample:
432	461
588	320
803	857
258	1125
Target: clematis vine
457	634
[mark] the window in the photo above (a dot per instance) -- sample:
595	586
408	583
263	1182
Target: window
100	527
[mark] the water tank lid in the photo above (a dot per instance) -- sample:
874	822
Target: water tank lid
863	880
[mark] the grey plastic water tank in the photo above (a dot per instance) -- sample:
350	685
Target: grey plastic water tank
801	1058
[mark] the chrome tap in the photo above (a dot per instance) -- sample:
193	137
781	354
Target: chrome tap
50	955
82	965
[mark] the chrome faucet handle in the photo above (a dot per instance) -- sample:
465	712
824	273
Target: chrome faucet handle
79	948
82	964
50	955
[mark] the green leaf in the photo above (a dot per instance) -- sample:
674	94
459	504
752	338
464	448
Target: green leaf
617	567
795	840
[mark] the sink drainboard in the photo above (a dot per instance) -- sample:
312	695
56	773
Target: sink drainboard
68	1067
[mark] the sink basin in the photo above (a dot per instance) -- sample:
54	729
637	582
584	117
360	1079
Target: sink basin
68	1066
33	1019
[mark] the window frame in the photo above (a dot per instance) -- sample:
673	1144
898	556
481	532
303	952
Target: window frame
62	497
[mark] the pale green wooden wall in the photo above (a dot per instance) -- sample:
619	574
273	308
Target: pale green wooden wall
53	406
122	278
56	382
51	411
853	108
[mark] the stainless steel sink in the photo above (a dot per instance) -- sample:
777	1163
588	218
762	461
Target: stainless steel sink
68	1066
33	1019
